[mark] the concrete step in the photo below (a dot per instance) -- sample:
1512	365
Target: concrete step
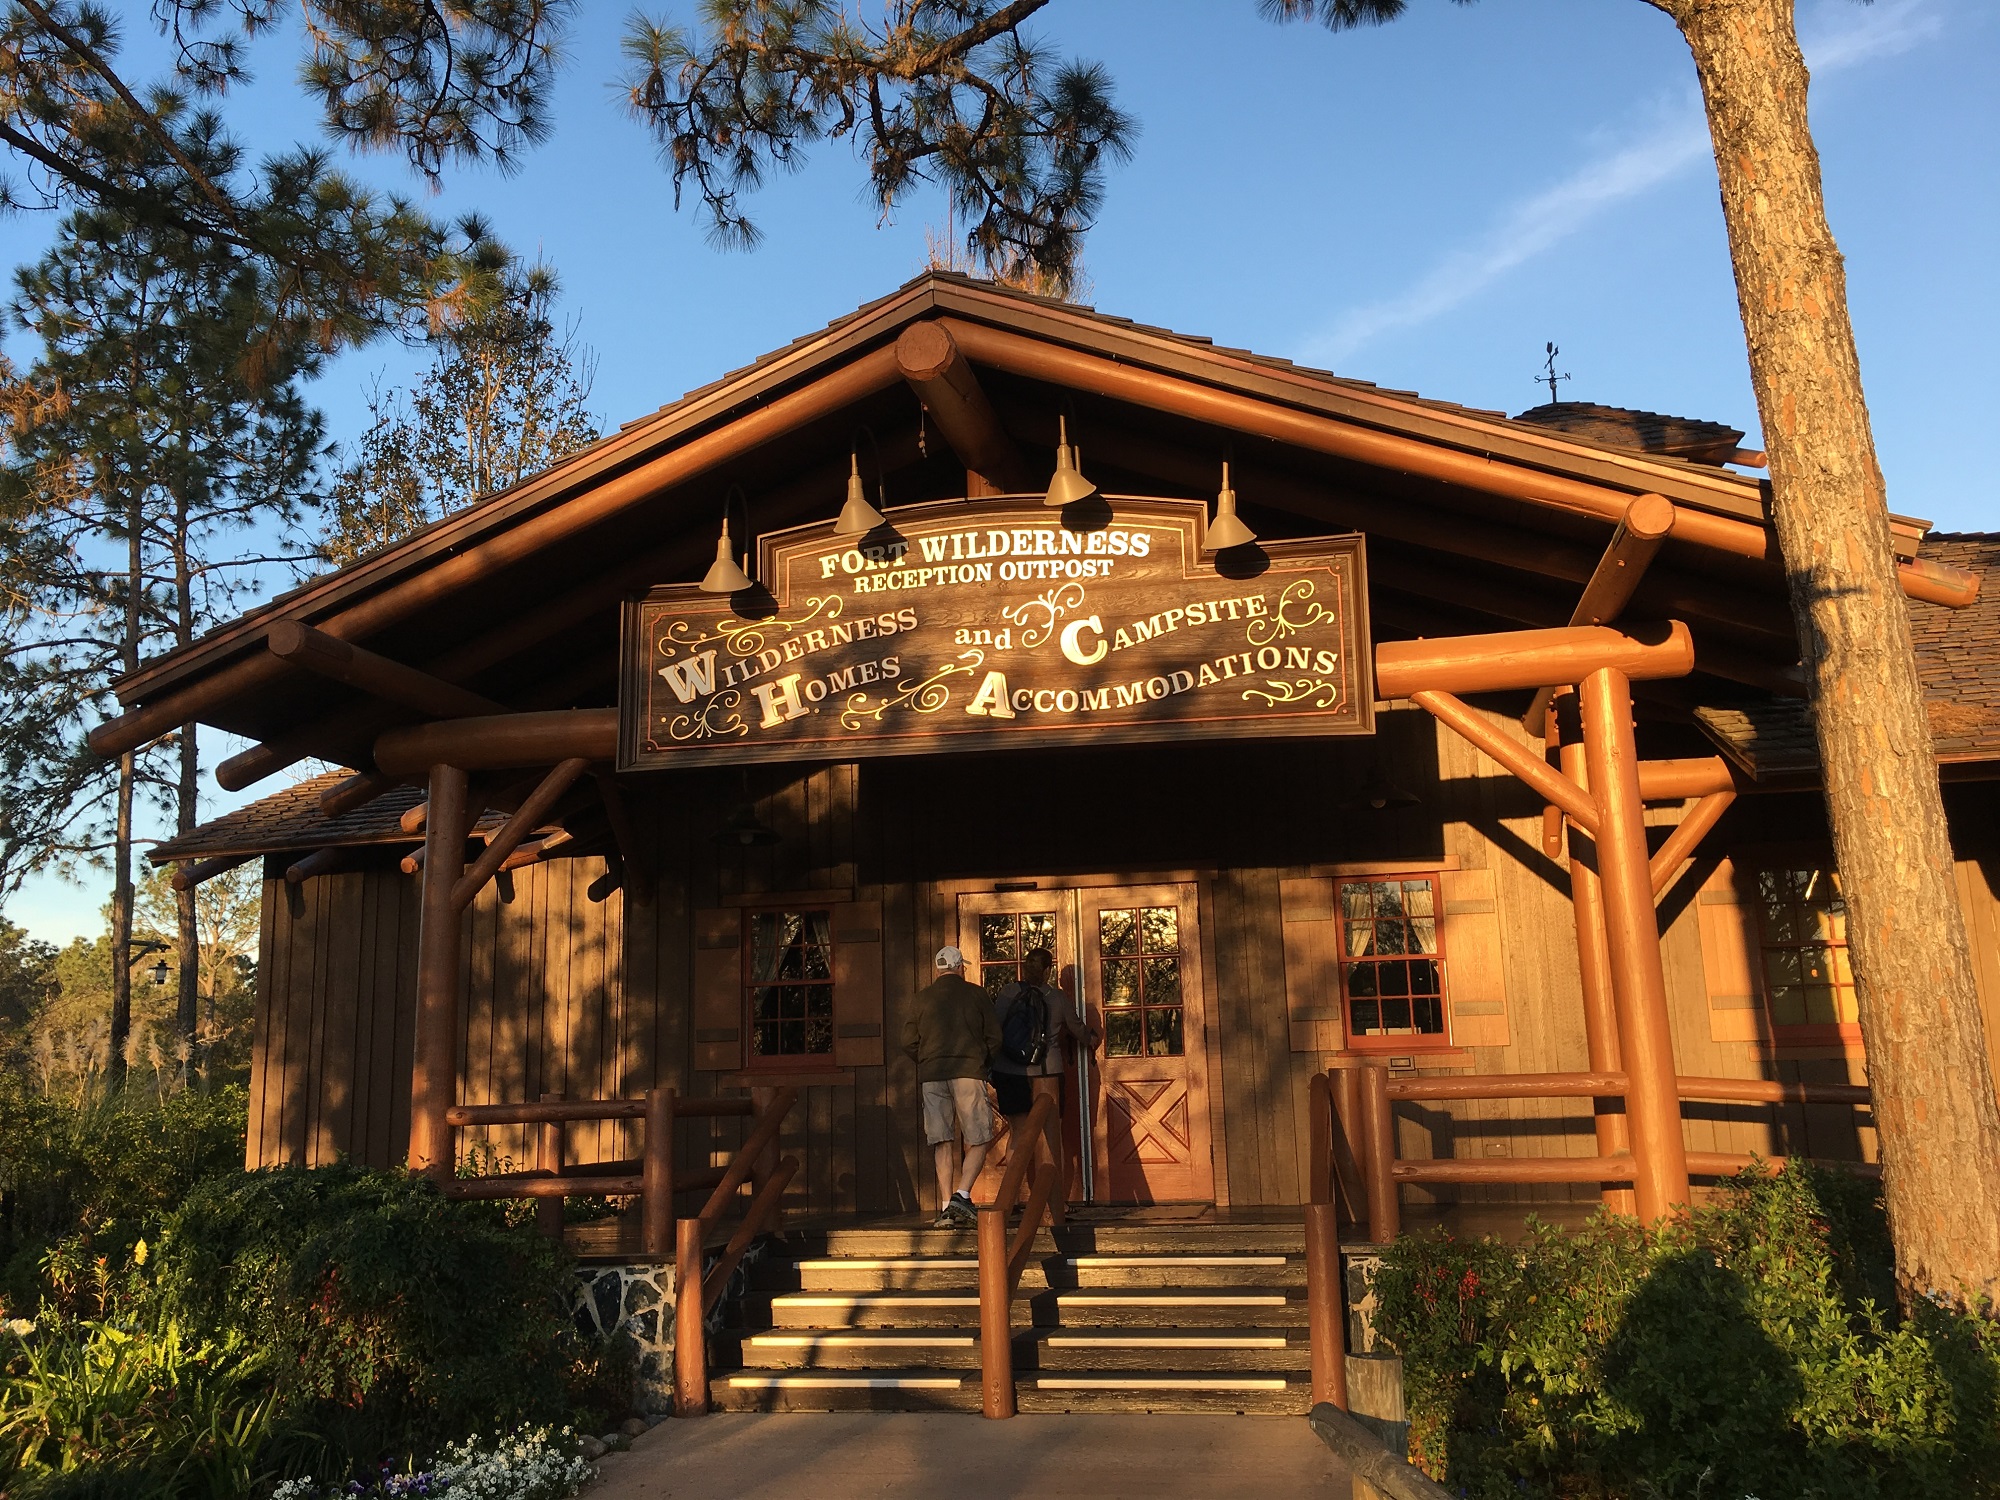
1149	1349
1087	1270
1208	1307
1248	1391
929	1389
859	1349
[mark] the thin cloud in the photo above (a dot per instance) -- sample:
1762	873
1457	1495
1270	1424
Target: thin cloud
1839	36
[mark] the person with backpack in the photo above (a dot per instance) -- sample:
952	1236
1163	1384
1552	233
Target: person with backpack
1036	1022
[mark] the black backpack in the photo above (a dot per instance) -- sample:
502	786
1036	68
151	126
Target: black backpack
1024	1034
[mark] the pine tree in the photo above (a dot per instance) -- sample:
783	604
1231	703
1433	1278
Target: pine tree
506	396
151	474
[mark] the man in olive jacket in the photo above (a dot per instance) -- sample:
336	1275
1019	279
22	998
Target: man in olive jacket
952	1036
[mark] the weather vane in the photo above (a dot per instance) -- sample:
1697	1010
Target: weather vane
1549	373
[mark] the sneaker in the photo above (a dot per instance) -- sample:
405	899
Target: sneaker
961	1212
944	1220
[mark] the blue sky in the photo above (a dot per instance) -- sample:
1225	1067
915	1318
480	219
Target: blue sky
1422	205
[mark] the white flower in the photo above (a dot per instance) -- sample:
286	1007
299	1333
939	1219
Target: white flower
19	1327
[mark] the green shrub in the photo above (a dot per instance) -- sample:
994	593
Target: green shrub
397	1321
129	1403
106	1170
1749	1349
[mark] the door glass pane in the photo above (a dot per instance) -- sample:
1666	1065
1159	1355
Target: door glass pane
996	938
993	978
1161	929
1163	981
1118	931
1163	1032
1121	982
1121	1033
1038	930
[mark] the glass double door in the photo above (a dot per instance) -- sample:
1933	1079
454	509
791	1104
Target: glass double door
1135	1113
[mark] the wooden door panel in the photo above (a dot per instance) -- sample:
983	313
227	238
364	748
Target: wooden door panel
1143	957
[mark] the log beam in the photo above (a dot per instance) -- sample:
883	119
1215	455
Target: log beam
1634	543
192	873
502	742
360	789
930	362
525	819
1677	780
1529	658
320	862
328	656
1523	762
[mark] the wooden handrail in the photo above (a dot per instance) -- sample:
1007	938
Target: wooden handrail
1511	1086
763	1206
745	1160
1772	1091
696	1293
540	1112
1017	1159
1031	1222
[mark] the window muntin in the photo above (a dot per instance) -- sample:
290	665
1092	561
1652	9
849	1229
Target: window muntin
1007	937
788	985
1391	963
1140	949
1802	922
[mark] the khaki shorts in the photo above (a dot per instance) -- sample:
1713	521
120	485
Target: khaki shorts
957	1107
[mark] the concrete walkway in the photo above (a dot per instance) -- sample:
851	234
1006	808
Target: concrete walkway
948	1456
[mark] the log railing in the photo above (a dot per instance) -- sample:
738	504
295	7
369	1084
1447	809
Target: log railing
696	1291
1001	1262
650	1176
1353	1140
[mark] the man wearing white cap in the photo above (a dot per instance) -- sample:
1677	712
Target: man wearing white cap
952	1036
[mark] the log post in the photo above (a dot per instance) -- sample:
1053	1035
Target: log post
1319	1125
1325	1307
690	1329
1638	983
1593	956
434	1073
549	1158
1385	1213
996	1314
656	1203
1353	1132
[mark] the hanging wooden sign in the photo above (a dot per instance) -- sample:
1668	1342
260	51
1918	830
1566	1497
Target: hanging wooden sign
999	624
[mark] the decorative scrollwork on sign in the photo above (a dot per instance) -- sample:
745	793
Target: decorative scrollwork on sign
716	719
1313	692
1281	625
745	637
925	697
1053	605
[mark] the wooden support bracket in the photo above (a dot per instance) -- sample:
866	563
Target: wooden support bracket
1518	758
188	875
931	363
1635	542
1681	843
635	872
532	812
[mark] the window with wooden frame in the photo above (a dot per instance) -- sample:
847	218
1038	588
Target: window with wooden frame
788	986
1392	963
1802	948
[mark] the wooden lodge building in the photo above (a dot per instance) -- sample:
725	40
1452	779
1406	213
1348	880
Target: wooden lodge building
1284	807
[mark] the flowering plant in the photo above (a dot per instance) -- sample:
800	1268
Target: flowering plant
531	1464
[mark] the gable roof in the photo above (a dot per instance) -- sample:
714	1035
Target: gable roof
516	595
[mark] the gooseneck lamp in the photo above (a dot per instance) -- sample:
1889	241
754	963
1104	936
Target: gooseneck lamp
723	576
1068	486
1227	529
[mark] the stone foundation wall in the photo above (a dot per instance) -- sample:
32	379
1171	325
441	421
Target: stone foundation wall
636	1299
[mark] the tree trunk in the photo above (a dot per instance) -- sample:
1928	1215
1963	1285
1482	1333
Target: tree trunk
187	799
1927	1063
121	922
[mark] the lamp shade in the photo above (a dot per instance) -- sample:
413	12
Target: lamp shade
857	516
1227	529
1068	486
723	576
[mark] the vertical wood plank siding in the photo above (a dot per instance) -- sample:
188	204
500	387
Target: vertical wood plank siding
592	999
